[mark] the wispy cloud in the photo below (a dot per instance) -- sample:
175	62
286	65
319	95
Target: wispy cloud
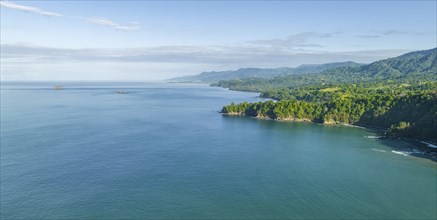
368	36
238	56
386	33
44	63
293	41
132	26
11	5
394	32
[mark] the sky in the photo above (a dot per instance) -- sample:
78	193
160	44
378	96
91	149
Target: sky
157	40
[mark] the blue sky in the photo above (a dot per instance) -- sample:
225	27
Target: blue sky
152	40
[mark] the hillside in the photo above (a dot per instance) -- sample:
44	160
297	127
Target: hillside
397	94
412	67
215	76
417	62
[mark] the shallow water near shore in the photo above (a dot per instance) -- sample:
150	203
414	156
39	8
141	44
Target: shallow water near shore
162	151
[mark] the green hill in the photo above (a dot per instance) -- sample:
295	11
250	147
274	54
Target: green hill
412	67
417	62
397	94
215	76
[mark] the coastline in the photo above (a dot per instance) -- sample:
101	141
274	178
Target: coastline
421	148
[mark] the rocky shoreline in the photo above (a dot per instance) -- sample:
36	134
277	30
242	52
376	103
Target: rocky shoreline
420	148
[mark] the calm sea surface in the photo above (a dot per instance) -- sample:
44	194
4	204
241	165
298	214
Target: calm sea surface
163	151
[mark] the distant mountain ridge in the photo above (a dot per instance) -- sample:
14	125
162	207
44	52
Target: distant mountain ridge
417	66
215	76
396	94
423	62
416	62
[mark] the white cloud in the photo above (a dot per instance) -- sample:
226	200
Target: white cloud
25	62
292	41
11	5
241	56
388	33
133	26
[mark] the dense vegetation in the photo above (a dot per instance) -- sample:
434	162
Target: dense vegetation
398	94
412	68
215	76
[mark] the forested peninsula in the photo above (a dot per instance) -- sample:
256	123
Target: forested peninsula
398	95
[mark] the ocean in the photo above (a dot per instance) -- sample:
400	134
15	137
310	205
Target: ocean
109	150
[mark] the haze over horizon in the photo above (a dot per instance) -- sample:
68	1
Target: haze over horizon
135	40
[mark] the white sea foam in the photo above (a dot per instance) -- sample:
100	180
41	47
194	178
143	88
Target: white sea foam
403	153
353	126
373	137
415	151
378	150
429	144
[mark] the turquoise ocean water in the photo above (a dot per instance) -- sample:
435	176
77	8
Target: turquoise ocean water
162	151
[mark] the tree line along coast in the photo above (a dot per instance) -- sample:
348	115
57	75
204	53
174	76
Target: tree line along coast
397	94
